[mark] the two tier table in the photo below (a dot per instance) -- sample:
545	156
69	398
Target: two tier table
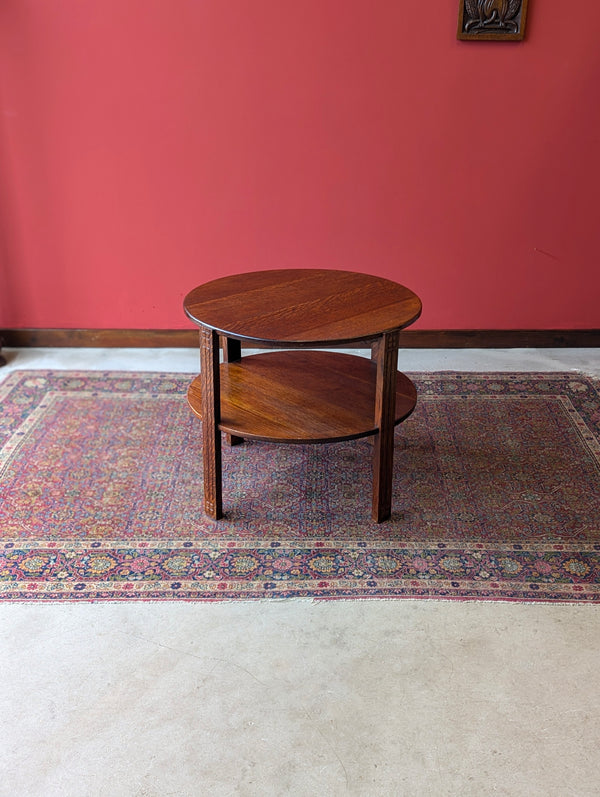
301	393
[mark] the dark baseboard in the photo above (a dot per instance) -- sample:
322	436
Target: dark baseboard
101	338
409	339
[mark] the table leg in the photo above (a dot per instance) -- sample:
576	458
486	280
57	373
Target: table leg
211	410
232	352
375	346
386	357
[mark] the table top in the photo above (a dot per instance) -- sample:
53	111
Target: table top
302	307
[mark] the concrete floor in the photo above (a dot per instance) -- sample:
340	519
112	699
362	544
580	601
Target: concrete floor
299	698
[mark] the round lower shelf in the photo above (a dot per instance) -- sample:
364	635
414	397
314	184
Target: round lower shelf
299	396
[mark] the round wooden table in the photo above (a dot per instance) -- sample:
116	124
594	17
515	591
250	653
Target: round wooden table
301	396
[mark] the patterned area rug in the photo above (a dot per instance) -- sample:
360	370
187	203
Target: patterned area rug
496	496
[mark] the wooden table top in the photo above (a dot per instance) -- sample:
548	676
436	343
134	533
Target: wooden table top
302	307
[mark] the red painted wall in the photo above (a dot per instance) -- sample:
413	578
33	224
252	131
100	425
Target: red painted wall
149	145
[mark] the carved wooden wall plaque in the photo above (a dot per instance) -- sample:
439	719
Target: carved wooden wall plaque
492	20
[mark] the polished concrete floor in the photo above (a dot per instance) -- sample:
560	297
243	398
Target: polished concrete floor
366	698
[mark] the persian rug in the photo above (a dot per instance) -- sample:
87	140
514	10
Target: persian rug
496	496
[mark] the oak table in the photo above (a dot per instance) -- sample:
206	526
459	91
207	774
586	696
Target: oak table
301	394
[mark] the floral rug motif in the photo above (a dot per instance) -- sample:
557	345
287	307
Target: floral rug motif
496	496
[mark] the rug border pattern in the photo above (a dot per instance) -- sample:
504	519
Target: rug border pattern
111	570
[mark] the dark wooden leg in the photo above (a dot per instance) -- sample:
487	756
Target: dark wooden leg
211	410
2	357
375	346
386	357
232	352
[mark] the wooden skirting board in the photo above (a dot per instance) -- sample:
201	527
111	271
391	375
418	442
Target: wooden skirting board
410	339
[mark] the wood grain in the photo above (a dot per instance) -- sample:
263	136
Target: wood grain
303	397
211	438
302	307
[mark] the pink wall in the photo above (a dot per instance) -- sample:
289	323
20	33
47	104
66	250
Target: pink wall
149	145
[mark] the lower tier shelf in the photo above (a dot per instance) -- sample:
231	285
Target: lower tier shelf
299	396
